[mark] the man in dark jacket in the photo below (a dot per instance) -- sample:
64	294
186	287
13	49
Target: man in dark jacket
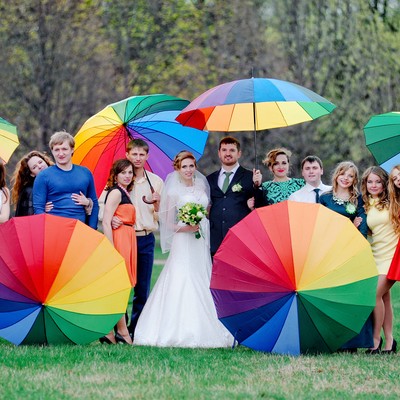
231	192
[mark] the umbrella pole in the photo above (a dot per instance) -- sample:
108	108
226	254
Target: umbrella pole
255	136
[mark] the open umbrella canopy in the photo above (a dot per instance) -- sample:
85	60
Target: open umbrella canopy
60	281
254	104
294	278
103	137
8	139
382	137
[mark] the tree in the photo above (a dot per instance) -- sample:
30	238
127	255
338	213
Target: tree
55	70
342	51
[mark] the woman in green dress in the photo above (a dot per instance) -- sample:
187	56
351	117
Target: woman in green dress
281	186
345	199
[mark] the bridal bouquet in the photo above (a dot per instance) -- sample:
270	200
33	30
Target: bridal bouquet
192	214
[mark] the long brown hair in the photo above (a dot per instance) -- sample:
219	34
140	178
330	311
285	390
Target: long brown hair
118	167
383	198
3	186
340	169
394	201
22	174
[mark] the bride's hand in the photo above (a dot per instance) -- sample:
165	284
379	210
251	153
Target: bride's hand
190	228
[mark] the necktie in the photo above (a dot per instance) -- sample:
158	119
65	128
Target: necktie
316	195
226	181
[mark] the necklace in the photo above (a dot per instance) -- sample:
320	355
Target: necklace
349	207
127	193
338	200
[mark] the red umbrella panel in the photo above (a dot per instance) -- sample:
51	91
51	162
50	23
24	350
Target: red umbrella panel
60	281
294	278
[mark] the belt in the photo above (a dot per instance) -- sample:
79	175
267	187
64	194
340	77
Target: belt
143	232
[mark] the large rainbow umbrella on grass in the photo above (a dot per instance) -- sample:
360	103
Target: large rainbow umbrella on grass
60	281
294	278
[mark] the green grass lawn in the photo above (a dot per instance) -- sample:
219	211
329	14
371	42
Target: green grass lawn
123	372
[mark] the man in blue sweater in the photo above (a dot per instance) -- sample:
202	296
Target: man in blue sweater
69	187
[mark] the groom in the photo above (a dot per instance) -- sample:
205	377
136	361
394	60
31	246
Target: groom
231	192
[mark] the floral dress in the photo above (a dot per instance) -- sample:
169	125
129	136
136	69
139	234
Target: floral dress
275	192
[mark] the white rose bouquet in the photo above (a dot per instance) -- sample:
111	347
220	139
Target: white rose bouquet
192	214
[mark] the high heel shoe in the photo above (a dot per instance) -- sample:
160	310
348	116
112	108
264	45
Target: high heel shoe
105	339
392	350
377	350
120	339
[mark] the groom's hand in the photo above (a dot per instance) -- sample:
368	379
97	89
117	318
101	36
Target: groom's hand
115	222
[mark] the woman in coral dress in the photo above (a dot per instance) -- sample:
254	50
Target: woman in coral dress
118	203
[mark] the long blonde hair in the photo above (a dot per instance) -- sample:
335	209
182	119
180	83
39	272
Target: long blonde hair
340	169
383	198
394	201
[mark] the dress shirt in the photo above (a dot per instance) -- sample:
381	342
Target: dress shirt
146	217
222	175
307	195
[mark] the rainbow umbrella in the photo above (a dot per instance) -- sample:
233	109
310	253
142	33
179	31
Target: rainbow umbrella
382	137
103	137
8	139
254	104
294	278
60	281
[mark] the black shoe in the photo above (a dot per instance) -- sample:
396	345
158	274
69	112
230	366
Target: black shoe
105	339
392	350
120	339
377	350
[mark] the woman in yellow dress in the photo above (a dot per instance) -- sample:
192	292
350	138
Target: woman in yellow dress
383	239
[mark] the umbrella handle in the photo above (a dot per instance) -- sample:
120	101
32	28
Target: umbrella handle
151	188
149	201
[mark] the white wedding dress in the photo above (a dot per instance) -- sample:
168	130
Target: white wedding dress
180	311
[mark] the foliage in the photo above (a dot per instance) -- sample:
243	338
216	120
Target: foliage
63	60
54	66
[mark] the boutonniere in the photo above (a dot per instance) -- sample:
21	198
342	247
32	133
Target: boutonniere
351	208
237	187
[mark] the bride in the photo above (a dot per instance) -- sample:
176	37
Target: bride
180	311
